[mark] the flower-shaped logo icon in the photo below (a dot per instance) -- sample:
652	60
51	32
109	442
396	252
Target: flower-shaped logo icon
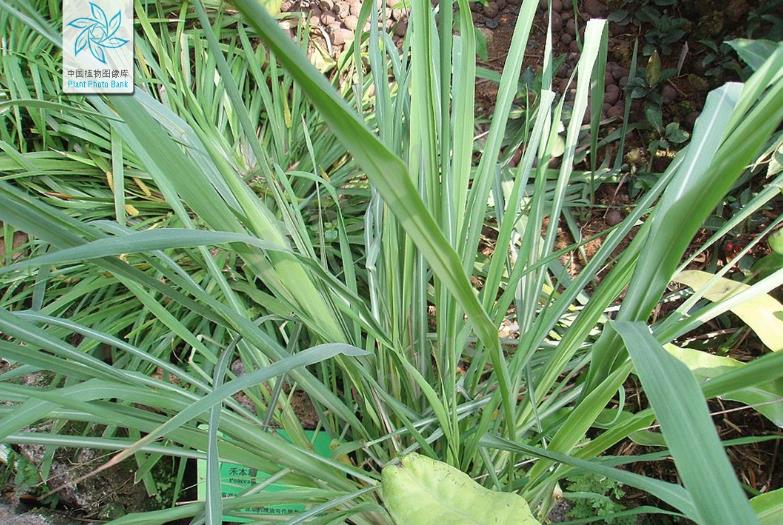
97	33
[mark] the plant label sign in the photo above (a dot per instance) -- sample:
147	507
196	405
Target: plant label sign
98	46
238	479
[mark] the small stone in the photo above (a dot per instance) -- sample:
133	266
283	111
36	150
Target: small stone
401	28
557	22
736	9
343	9
668	93
595	8
571	27
326	5
557	5
616	111
618	71
623	81
314	21
328	19
567	14
606	107
351	22
566	38
341	36
355	8
614	217
490	10
608	78
491	23
612	94
573	47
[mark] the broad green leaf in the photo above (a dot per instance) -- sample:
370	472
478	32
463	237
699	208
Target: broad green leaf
764	313
422	491
769	507
754	52
776	241
687	427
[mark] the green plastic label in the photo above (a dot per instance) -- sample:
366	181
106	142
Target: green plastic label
236	479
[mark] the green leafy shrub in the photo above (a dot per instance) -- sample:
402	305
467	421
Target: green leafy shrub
591	495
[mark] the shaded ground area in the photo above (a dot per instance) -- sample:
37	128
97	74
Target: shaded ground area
15	515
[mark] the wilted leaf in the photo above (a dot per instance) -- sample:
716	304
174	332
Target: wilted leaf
763	313
422	491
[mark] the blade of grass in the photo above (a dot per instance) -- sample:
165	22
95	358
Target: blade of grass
687	428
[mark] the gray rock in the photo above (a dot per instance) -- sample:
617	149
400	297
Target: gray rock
8	516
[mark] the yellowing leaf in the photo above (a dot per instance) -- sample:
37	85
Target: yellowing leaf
764	398
422	491
143	187
763	313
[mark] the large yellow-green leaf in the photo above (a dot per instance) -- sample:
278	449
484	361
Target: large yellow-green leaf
422	491
764	398
769	507
764	314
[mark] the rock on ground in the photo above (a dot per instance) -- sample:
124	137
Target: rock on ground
8	516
